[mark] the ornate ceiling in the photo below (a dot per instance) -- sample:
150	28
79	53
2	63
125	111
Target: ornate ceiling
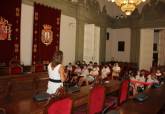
113	10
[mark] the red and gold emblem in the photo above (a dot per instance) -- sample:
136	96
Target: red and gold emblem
47	34
17	12
5	29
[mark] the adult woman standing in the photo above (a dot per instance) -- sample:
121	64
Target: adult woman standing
56	73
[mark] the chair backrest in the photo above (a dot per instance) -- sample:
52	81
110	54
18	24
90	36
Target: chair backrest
16	70
61	106
145	72
39	67
123	92
96	99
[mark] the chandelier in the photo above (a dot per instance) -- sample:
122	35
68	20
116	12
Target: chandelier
127	6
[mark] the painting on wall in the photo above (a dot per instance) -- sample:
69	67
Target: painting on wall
155	47
121	45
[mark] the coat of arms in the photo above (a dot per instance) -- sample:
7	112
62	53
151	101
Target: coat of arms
47	34
5	29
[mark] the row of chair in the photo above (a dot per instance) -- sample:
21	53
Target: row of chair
18	69
98	103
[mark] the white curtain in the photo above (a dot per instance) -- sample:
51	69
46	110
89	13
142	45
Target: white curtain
161	48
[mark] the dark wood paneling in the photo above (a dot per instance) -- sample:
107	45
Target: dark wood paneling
22	86
4	71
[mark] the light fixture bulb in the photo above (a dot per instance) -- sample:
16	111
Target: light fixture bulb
128	13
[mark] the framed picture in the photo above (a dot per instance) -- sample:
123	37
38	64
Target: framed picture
107	35
121	45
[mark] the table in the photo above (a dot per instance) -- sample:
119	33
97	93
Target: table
152	105
22	84
29	106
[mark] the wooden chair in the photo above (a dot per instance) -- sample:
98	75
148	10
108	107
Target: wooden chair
123	92
60	106
96	102
114	102
38	67
17	69
145	72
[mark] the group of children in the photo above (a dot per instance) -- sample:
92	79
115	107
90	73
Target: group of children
82	73
86	73
144	79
